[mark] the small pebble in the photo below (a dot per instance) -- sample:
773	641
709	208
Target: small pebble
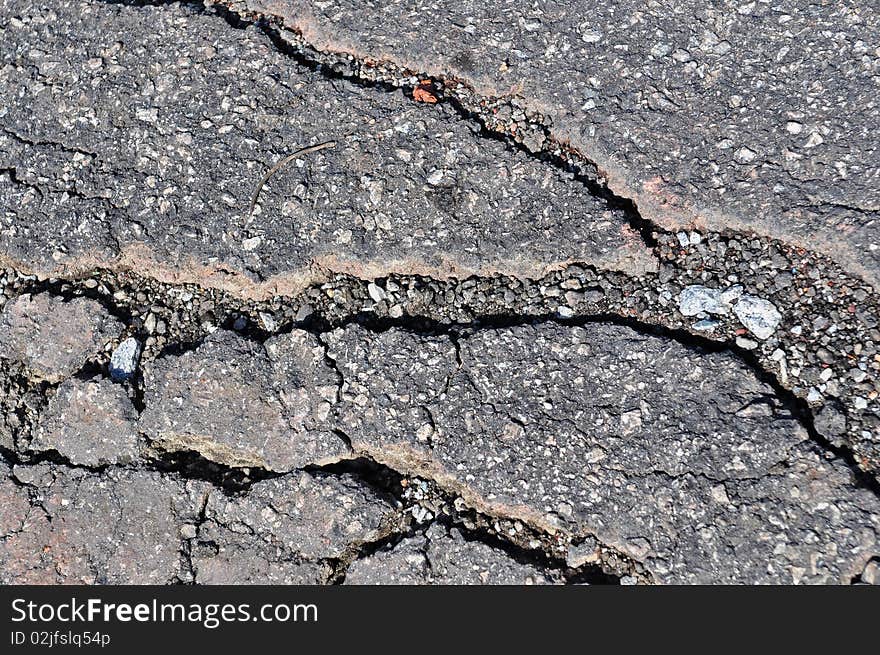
706	325
697	299
759	316
124	360
268	322
746	344
376	292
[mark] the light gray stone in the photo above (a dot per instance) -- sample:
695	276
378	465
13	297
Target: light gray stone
124	361
697	299
759	316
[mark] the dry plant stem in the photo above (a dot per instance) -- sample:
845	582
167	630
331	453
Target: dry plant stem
281	164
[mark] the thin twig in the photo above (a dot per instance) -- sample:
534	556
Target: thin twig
281	164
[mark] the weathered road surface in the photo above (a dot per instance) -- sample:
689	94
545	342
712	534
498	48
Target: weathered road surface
742	114
576	295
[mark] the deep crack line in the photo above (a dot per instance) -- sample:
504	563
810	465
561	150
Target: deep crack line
559	155
473	524
469	105
305	55
424	325
361	69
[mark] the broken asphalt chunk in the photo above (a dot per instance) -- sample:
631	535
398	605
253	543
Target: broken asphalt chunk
674	457
52	338
244	404
286	529
78	527
89	423
624	84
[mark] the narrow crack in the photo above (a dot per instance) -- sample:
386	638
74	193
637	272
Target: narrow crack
530	546
186	544
33	143
43	190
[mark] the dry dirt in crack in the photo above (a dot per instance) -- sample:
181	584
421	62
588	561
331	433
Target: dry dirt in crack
174	164
443	351
716	115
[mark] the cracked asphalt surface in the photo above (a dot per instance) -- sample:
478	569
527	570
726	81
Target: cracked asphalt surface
740	113
568	301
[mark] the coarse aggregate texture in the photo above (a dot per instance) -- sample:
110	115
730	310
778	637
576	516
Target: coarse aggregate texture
599	431
49	526
90	423
286	529
242	404
131	153
588	433
52	338
524	323
743	114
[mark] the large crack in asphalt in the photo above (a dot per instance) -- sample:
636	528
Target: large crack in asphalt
284	313
430	504
682	259
458	94
532	545
383	473
387	75
456	319
528	546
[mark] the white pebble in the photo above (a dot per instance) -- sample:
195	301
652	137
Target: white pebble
124	360
759	316
696	299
